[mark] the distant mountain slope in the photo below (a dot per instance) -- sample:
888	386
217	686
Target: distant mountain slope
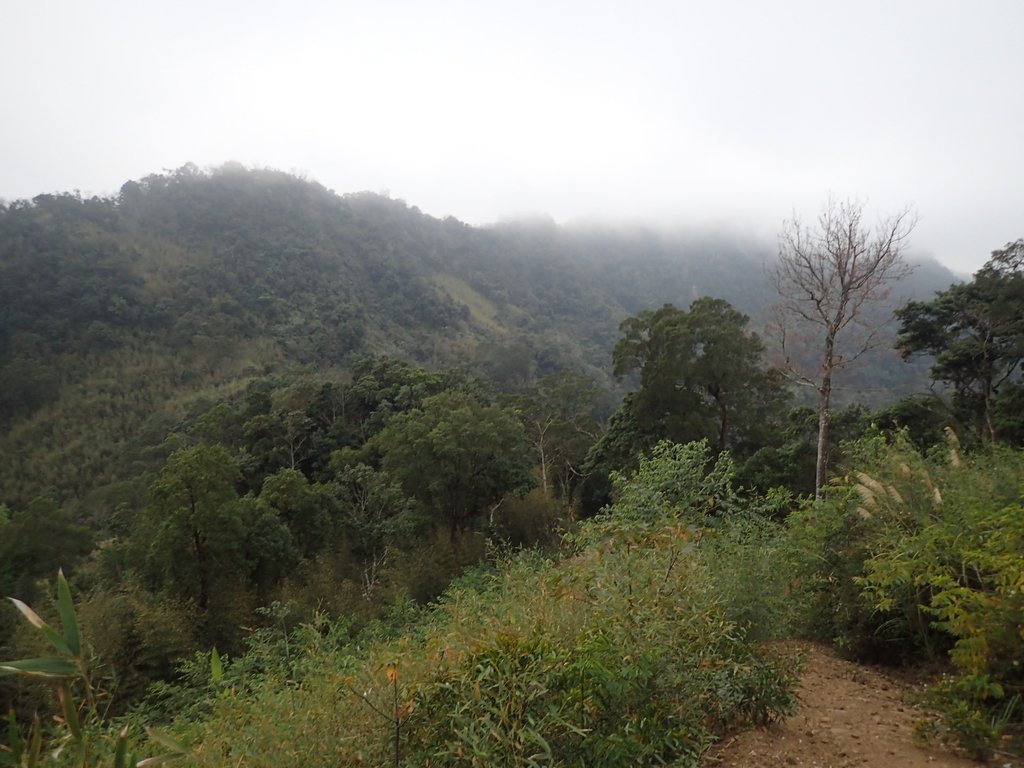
116	315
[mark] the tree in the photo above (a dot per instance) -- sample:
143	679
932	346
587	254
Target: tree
829	277
701	376
307	509
378	518
199	529
557	418
36	540
455	455
975	331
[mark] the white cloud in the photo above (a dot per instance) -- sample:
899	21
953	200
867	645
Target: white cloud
690	112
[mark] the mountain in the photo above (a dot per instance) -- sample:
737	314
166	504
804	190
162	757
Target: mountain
119	315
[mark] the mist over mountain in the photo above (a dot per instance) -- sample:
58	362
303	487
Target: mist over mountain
118	315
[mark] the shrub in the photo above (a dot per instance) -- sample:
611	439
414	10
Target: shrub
922	555
618	654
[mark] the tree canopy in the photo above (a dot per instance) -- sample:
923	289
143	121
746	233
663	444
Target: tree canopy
975	332
702	376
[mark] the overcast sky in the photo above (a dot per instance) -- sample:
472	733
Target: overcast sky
686	113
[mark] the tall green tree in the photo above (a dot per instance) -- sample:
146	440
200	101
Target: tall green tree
702	376
198	524
456	455
975	332
307	509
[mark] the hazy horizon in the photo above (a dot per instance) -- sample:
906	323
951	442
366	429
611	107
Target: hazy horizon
727	115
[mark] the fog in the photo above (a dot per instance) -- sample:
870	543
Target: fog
682	114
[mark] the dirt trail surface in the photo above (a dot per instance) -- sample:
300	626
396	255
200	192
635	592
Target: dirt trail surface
848	715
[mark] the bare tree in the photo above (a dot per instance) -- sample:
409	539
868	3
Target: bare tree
828	277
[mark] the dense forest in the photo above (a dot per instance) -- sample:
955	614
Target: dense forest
523	494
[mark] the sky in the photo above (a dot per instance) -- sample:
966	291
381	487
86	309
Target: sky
721	114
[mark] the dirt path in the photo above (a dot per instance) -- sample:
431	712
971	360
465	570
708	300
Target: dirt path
848	716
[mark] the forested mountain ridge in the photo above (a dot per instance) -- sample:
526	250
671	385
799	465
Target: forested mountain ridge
300	453
117	314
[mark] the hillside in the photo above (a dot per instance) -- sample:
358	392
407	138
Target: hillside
320	464
119	315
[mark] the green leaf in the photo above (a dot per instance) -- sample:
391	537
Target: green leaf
70	713
34	619
216	666
164	740
45	667
121	751
35	744
14	741
178	750
68	621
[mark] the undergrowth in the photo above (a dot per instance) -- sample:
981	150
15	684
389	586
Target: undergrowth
618	653
921	557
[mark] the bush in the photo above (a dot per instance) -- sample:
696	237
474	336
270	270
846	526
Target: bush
618	654
921	555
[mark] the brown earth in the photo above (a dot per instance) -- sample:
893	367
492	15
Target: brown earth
849	715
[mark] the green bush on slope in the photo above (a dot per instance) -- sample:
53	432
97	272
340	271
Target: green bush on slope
922	556
619	654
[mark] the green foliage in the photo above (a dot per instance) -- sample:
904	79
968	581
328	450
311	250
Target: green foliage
119	316
974	331
834	539
690	496
684	483
379	520
456	455
34	540
84	736
746	558
701	376
191	339
975	713
923	419
195	510
619	654
920	556
138	634
559	422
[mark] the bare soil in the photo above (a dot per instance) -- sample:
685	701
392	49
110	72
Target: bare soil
849	715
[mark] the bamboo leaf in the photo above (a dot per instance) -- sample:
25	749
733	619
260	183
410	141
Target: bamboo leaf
164	740
45	667
28	613
14	740
121	751
70	712
216	666
68	620
34	619
159	760
178	750
35	744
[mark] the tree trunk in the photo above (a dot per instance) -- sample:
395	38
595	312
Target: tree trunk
723	428
824	407
204	579
543	466
821	464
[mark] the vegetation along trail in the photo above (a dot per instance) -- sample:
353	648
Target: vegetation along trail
849	715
